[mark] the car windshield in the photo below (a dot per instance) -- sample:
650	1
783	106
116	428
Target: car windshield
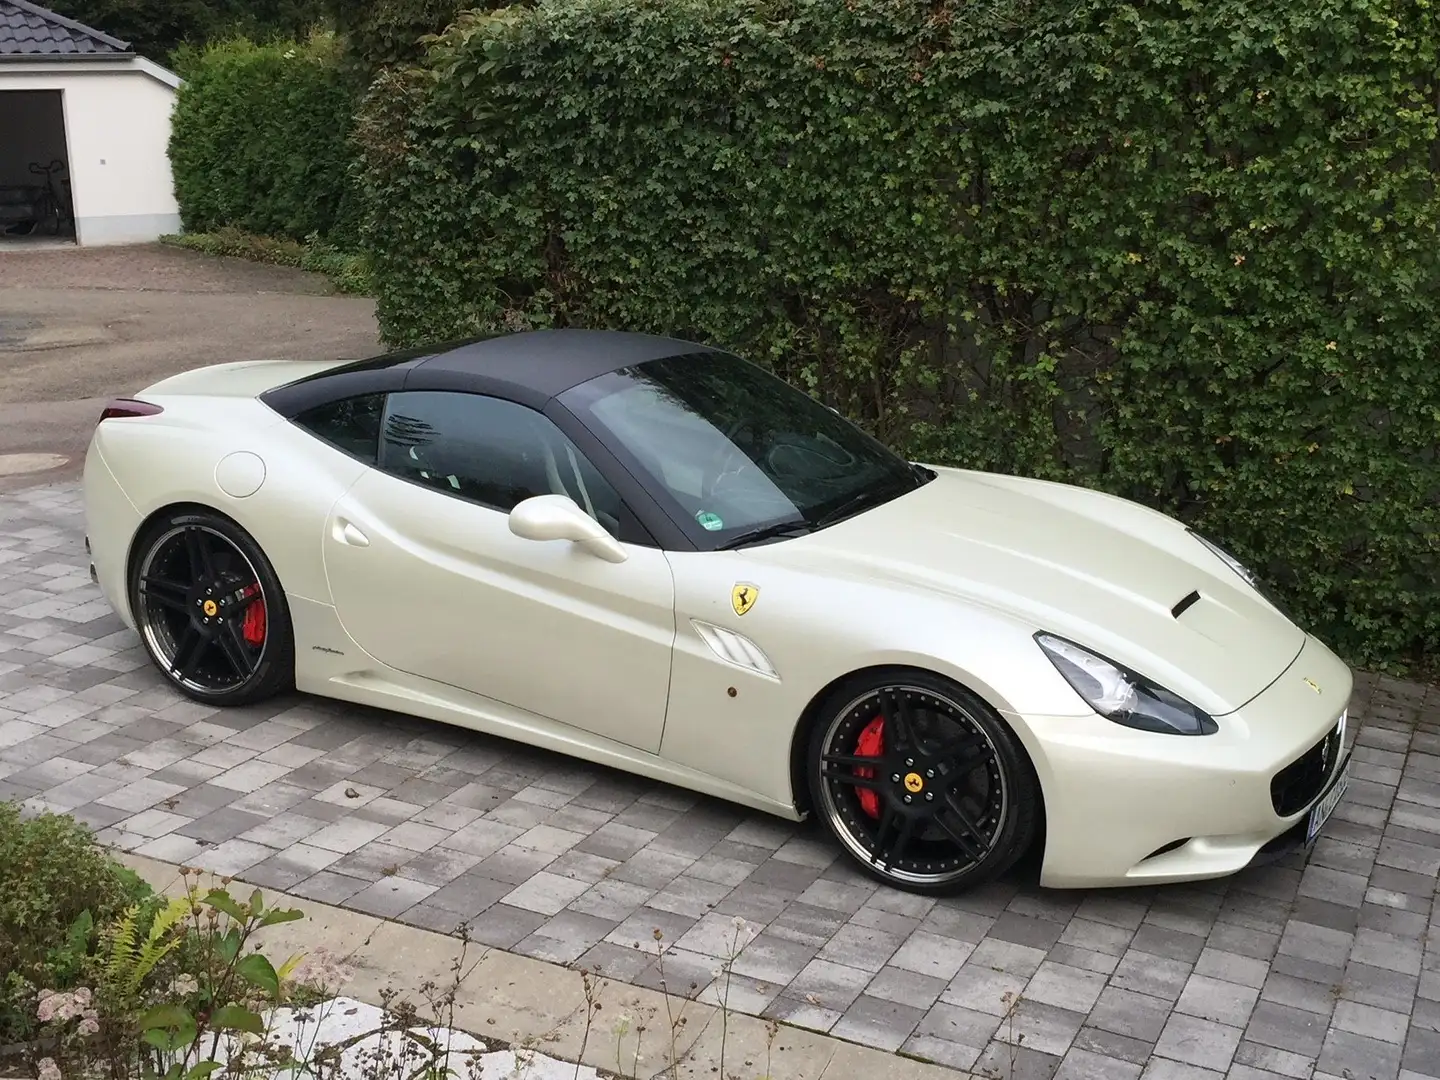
739	454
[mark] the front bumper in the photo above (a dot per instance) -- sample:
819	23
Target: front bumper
1127	807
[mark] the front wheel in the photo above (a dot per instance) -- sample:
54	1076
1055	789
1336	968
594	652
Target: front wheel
210	610
923	784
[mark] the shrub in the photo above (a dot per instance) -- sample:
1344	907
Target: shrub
1182	252
260	140
57	887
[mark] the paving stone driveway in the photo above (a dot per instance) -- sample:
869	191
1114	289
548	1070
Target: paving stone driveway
1330	969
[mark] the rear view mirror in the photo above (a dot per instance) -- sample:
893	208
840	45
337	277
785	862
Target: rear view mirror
557	517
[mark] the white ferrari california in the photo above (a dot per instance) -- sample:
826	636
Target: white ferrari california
657	556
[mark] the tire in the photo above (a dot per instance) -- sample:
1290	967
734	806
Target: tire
951	800
210	609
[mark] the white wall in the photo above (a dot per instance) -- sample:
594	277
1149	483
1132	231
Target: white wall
117	122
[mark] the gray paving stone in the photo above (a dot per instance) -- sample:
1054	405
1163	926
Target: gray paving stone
1298	993
1230	967
1422	1051
1002	1059
1153	975
1376	1024
616	900
1196	1041
906	987
876	1022
1108	1044
1286	1028
983	989
1390	990
941	1051
1041	1027
1347	1054
1129	1013
1065	987
1386	951
1081	1064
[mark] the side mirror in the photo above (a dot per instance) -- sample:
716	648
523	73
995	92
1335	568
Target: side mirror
557	517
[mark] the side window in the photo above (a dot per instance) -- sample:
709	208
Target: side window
492	452
351	425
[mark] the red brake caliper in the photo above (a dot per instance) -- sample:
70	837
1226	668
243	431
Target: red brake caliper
254	625
870	744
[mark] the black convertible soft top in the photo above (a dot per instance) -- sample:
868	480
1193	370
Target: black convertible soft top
530	367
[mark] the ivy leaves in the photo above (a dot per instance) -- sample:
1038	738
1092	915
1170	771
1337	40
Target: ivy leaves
1183	252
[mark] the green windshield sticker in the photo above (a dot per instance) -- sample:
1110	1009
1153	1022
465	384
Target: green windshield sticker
709	521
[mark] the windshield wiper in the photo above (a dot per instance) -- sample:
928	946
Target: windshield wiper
859	501
769	532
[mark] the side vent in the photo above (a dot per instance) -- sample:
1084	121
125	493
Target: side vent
735	648
1185	604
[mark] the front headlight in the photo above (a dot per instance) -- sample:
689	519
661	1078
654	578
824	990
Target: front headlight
1122	695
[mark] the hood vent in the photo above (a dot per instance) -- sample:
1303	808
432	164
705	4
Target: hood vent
1185	604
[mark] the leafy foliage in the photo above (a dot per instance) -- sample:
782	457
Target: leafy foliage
56	887
260	140
131	957
158	28
1182	252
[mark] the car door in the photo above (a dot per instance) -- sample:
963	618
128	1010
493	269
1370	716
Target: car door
428	578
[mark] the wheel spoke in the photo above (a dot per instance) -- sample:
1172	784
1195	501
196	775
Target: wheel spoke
170	594
201	566
187	653
852	761
898	721
966	753
967	836
870	783
233	646
904	830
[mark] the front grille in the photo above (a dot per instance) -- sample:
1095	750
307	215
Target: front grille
1296	785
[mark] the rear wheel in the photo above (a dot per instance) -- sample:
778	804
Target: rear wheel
923	784
210	610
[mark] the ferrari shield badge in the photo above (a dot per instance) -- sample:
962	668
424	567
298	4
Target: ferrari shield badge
743	597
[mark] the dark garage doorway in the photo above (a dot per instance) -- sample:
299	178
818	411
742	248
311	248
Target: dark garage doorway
35	197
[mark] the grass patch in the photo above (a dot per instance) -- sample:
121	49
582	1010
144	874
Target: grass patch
348	271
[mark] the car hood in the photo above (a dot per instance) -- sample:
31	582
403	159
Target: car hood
1102	571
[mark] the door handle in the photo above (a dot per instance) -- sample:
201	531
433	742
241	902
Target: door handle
346	533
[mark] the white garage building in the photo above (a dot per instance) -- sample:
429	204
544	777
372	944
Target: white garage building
84	129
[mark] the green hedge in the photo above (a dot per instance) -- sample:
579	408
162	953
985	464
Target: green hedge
1183	252
260	141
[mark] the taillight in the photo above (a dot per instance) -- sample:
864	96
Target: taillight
123	408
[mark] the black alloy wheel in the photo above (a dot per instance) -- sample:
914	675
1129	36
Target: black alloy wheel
923	784
210	610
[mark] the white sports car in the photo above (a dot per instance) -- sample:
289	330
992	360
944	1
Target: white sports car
656	556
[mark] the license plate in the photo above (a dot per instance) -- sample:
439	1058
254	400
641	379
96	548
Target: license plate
1321	811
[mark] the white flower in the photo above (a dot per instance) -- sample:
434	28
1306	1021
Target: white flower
185	985
89	1026
49	1070
82	996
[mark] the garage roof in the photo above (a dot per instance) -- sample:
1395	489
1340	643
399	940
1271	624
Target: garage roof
29	31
